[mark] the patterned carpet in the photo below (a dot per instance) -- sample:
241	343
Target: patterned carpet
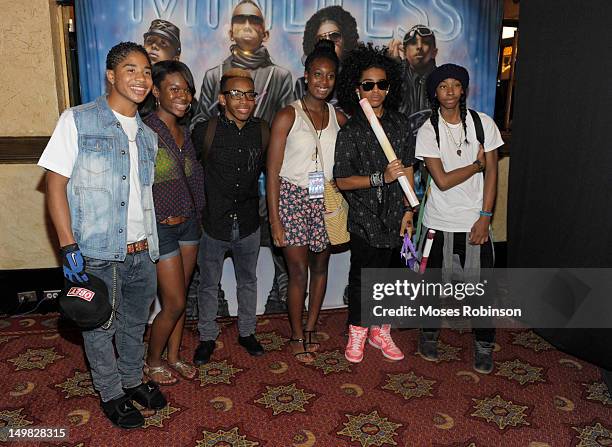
535	397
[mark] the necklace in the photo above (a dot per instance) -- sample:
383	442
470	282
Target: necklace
316	152
450	135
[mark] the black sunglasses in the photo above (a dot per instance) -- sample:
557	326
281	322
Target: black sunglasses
241	19
367	86
334	36
422	31
238	94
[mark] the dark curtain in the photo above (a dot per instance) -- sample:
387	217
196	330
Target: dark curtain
560	185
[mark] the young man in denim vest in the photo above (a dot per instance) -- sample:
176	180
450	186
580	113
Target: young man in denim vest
100	162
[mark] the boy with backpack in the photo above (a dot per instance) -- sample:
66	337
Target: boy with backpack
459	149
231	148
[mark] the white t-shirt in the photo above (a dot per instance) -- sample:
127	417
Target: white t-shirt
456	209
61	153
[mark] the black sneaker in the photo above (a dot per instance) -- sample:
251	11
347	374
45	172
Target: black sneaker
483	357
203	352
251	345
148	395
122	413
428	346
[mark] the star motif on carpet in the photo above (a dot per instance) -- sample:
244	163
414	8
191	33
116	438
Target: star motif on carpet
448	353
214	373
229	438
79	385
157	419
409	385
598	391
519	372
271	341
594	435
13	419
35	359
370	429
500	412
531	340
285	399
331	362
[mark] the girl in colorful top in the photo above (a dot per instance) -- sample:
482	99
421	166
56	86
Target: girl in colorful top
378	211
295	204
178	194
460	202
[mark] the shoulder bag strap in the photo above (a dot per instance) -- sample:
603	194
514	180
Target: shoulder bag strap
211	128
478	126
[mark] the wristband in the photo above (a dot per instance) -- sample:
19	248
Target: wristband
377	179
479	165
408	209
486	213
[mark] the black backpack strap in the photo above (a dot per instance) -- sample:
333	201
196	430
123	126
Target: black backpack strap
211	128
265	135
478	126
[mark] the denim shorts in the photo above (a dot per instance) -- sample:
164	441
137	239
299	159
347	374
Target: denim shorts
172	237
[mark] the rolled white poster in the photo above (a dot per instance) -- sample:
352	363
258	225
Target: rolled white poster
388	150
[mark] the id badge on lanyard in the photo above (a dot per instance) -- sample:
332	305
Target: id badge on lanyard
316	184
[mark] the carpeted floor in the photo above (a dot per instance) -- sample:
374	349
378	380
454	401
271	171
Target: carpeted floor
535	397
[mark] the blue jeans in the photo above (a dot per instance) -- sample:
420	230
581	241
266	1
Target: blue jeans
135	283
211	255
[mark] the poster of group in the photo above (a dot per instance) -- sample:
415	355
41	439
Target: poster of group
466	32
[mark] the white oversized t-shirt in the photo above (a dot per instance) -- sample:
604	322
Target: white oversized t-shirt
61	153
456	209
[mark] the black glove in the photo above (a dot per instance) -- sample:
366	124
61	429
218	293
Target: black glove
74	264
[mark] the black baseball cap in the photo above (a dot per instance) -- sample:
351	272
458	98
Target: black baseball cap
86	304
167	30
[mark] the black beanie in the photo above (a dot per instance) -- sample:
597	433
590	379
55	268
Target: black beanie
444	72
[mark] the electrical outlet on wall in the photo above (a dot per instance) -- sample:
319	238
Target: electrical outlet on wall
50	294
27	297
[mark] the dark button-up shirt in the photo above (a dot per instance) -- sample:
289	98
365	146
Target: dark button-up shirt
231	171
358	153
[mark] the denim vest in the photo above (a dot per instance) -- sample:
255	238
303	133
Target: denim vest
98	189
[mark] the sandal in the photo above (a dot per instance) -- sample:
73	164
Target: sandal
159	374
186	370
304	356
307	344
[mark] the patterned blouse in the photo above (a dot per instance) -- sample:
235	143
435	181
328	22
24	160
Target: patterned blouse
174	193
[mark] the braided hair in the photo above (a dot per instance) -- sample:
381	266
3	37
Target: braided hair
122	50
435	116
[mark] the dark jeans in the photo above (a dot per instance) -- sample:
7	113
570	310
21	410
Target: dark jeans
363	255
211	256
486	262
